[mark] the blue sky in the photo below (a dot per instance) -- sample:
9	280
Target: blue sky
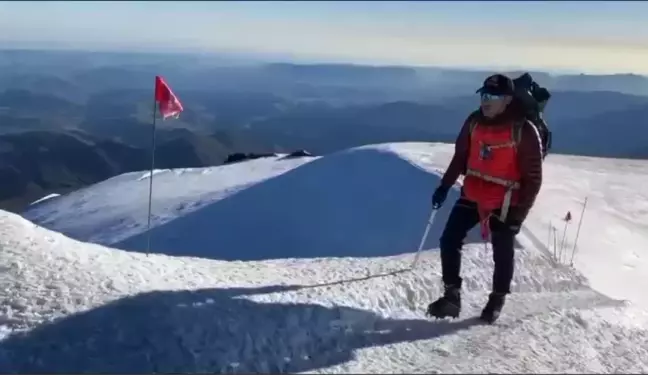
588	36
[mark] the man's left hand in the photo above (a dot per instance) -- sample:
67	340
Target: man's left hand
513	222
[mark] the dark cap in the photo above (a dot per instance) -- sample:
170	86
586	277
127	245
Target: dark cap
497	84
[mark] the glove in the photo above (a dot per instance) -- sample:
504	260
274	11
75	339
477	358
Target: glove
439	196
513	222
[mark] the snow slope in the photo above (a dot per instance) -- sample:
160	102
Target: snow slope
361	202
72	307
118	206
69	306
613	242
367	201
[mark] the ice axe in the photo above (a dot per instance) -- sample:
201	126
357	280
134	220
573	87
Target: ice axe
435	208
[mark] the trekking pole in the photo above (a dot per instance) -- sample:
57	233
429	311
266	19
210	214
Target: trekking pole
580	222
425	234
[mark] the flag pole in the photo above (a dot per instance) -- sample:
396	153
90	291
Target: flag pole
148	225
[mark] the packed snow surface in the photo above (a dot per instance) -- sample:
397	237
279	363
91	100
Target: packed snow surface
77	307
68	306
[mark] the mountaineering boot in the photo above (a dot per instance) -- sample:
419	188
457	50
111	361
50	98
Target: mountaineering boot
493	307
449	305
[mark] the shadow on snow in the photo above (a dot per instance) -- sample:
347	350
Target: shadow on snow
208	330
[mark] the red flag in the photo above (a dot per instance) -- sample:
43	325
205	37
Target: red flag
168	103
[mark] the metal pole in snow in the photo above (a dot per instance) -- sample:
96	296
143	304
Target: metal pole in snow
562	242
425	235
549	241
580	222
148	225
555	237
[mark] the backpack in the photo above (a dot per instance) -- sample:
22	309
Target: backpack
534	99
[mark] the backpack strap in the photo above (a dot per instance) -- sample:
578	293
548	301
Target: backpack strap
517	131
472	126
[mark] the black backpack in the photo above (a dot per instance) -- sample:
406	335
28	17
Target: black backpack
534	99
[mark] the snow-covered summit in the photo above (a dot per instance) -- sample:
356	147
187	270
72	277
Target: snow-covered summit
367	201
74	306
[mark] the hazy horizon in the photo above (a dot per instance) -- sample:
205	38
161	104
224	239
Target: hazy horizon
584	37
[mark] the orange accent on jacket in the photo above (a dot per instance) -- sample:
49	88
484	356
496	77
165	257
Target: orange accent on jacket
492	167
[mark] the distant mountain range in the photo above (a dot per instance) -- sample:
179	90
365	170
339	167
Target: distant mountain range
265	122
37	163
68	119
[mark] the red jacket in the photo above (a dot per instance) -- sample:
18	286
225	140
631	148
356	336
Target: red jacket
523	165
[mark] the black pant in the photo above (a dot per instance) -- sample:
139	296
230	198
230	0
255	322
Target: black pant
463	217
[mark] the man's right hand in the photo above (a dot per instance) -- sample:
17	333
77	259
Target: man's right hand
439	196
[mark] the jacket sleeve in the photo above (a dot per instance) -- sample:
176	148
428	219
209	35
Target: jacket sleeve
530	162
459	159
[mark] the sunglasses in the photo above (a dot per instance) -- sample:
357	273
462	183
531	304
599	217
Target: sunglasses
488	97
